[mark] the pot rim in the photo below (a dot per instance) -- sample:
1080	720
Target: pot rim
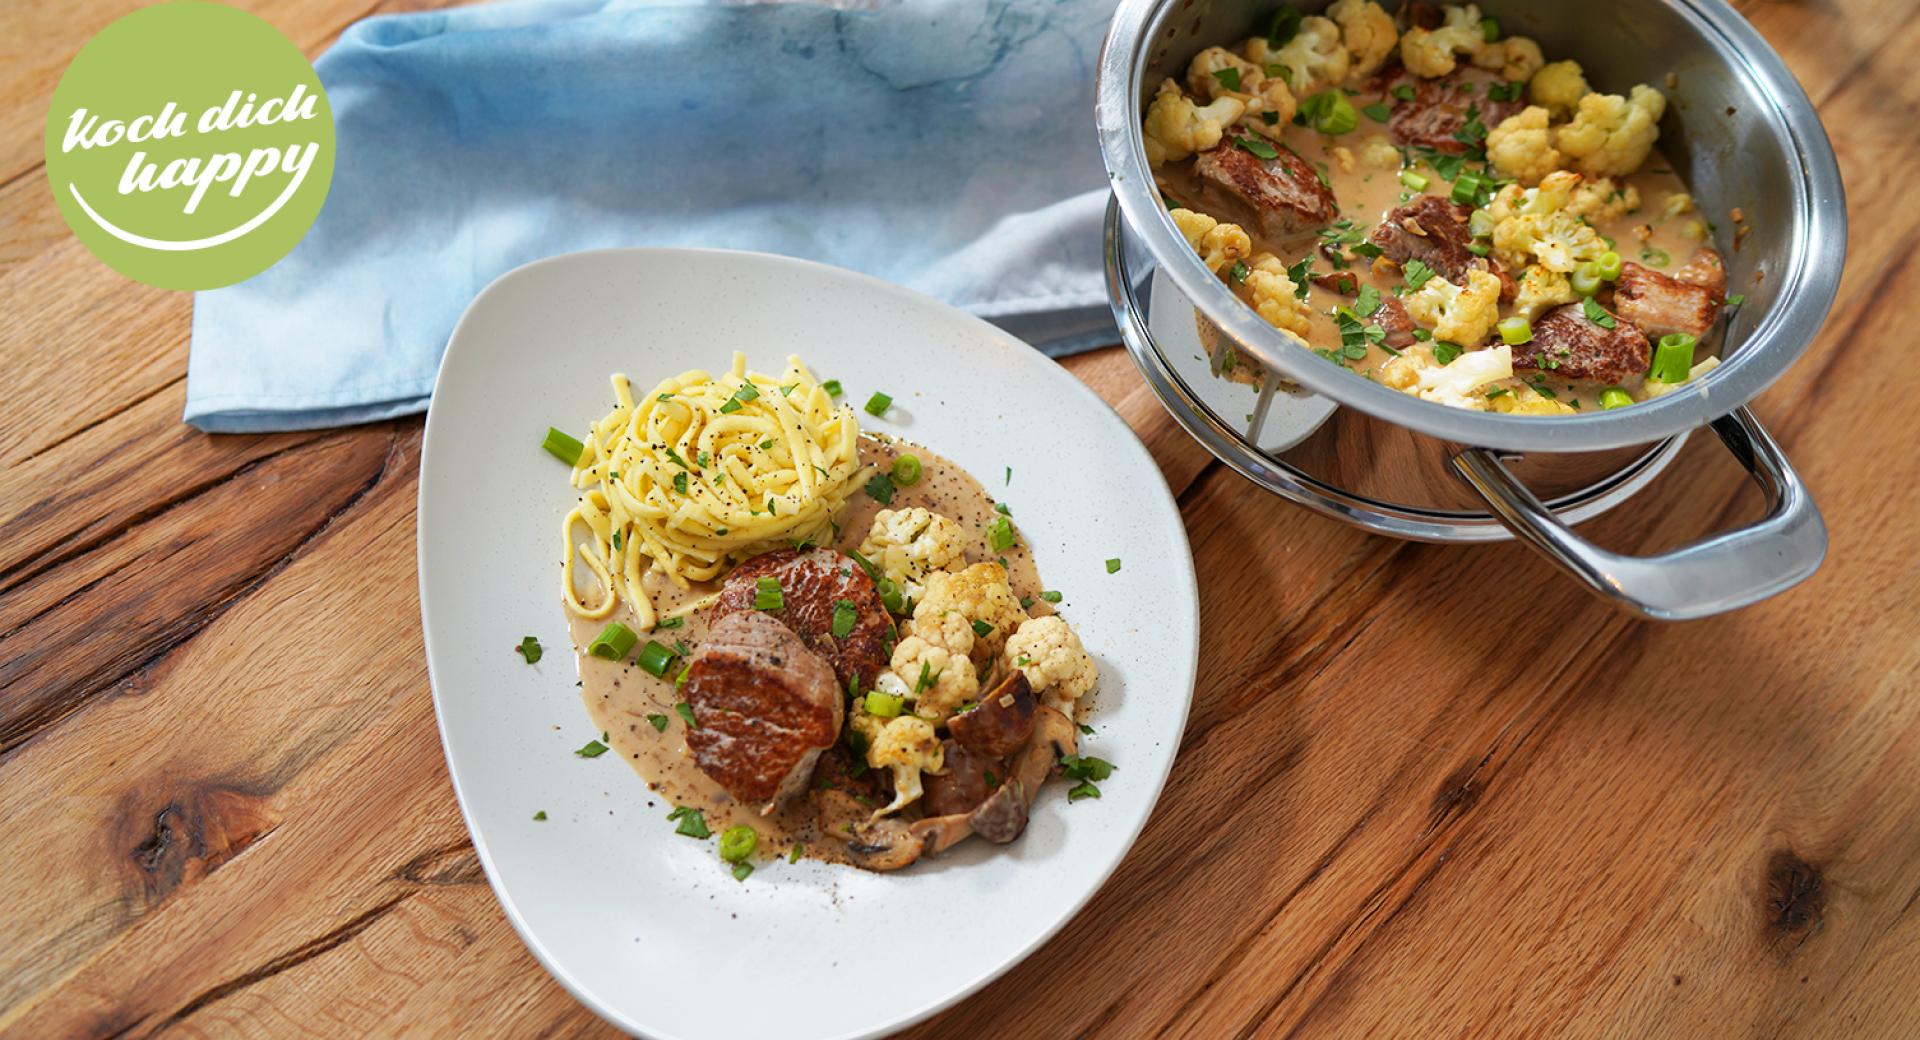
1810	281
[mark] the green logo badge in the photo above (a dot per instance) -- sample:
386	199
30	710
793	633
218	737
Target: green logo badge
189	145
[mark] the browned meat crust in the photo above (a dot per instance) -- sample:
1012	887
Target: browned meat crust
764	708
811	582
1434	231
1439	108
1705	270
1658	305
1393	317
1283	197
1567	345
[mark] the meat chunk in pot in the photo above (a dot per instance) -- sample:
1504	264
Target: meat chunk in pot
1705	270
811	582
1658	305
1392	317
1434	231
1566	344
1441	109
764	708
1283	197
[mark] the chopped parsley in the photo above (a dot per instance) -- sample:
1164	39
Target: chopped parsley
1377	112
880	489
529	648
658	722
1051	596
1240	271
591	749
685	711
1259	148
1416	274
1404	92
1445	352
982	630
1113	565
541	815
844	615
693	823
1229	77
1367	302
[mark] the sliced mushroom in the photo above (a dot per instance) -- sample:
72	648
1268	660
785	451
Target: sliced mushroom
1002	817
1054	737
886	844
939	833
1001	723
963	785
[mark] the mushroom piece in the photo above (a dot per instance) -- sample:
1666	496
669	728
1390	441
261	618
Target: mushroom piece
1003	816
887	844
963	785
1002	721
1054	737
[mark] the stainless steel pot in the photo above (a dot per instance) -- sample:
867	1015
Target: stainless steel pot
1742	133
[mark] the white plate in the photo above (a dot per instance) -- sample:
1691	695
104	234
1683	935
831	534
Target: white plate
644	925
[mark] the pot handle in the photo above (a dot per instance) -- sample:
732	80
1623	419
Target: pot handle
1717	574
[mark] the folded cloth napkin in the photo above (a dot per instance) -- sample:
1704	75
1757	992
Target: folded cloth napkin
947	145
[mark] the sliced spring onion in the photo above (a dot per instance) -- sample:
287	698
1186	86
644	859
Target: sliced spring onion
832	387
844	615
1614	397
884	705
1585	279
878	404
1051	596
1113	565
906	470
1480	224
1609	266
614	642
737	843
1000	534
767	594
1515	330
1468	187
1599	316
891	596
1330	113
541	815
1282	26
742	871
1414	181
1655	257
1489	29
1673	358
1083	789
799	849
563	447
655	658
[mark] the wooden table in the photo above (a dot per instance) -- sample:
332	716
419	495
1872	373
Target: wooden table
1424	791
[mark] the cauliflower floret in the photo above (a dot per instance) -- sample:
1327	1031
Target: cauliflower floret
1521	147
1379	153
1314	58
1403	372
1367	30
910	543
1541	289
1558	87
1516	58
1175	127
1600	199
1275	298
1463	383
907	746
1677	203
1218	244
978	594
1458	314
1050	654
1430	52
935	679
1611	135
1219	73
1525	400
1537	223
1342	157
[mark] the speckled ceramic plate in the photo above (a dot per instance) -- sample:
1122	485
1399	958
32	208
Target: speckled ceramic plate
641	924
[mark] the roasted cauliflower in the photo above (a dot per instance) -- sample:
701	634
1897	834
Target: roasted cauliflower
1048	651
1175	127
908	544
1456	313
1218	244
1315	58
1275	298
1558	87
1368	33
1541	289
1525	400
1516	58
1534	224
1433	53
1521	147
1219	73
1611	135
935	679
1379	153
980	595
906	746
1601	199
1464	382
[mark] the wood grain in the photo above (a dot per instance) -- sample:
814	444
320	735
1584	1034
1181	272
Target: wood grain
1424	791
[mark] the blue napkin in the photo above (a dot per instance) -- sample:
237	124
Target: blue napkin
947	145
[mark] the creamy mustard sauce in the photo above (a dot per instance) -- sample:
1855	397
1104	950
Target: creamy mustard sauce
1365	194
621	697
